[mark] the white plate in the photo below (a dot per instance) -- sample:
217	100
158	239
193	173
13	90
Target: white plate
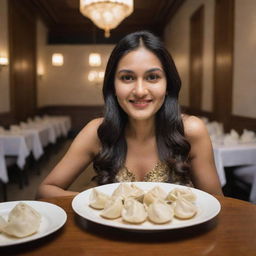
53	218
208	207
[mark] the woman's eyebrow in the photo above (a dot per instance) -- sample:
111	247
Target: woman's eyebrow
125	71
154	69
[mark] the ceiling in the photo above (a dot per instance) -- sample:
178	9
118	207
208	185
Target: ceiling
66	25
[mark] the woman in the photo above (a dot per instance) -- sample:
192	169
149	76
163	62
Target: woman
142	136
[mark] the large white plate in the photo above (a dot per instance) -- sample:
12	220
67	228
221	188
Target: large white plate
208	207
53	218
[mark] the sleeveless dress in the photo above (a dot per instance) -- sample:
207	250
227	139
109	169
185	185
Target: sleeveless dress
160	173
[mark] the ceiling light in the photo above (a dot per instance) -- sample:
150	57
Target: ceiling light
106	14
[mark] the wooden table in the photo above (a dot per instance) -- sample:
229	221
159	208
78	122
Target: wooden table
232	232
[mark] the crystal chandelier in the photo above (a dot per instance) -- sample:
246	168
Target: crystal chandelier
106	14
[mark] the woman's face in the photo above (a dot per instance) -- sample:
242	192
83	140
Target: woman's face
140	84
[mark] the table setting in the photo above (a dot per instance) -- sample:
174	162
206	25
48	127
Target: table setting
79	230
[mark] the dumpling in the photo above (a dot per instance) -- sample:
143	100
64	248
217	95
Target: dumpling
154	194
113	208
184	209
136	193
123	190
160	212
133	211
98	199
187	193
23	221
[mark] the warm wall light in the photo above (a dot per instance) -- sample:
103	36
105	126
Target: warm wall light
3	61
40	72
96	76
106	14
94	60
57	59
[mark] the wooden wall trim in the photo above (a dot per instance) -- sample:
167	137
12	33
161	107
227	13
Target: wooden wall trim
80	115
223	61
6	119
196	58
235	122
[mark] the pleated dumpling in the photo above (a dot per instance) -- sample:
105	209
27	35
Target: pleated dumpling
113	208
136	193
133	211
187	193
98	199
155	193
184	209
160	212
22	221
123	190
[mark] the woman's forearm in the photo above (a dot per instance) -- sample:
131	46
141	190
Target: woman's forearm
47	191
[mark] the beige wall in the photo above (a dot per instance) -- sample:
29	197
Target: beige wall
68	84
4	51
244	91
177	42
244	78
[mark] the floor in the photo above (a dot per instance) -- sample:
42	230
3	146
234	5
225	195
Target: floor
37	171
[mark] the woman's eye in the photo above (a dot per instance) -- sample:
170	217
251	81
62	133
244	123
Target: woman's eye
153	77
127	78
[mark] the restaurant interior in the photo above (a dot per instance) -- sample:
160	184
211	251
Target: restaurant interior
52	61
53	56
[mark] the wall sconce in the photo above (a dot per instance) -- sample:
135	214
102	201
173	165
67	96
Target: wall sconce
40	71
57	59
94	60
96	76
3	62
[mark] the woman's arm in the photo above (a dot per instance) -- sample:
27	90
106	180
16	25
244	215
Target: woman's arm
203	170
80	154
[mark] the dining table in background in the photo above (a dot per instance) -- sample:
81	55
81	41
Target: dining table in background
15	145
232	232
3	168
233	155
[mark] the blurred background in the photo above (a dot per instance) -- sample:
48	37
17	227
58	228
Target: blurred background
50	83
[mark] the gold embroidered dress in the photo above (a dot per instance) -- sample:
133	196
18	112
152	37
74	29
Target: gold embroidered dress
160	173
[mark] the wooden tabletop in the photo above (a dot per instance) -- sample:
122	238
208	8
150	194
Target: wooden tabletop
232	232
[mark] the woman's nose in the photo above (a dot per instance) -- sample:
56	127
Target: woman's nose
140	89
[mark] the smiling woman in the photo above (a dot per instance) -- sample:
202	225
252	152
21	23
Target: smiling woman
142	136
140	86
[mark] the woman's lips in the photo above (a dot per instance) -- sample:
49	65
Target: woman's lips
140	103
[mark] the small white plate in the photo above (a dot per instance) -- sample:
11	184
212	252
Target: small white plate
53	218
208	207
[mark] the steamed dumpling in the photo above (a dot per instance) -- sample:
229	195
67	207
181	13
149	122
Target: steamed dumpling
187	193
113	208
160	212
133	211
98	199
183	208
136	193
155	193
23	221
123	190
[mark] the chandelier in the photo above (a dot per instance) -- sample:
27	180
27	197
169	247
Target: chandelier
106	14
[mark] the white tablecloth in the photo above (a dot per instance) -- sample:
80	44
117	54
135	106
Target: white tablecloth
15	145
238	155
3	169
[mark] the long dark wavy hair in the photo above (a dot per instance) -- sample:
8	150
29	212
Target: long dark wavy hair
173	148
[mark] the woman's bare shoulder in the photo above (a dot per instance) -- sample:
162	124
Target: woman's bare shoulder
87	139
93	125
194	127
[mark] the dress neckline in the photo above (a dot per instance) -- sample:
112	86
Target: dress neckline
148	174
